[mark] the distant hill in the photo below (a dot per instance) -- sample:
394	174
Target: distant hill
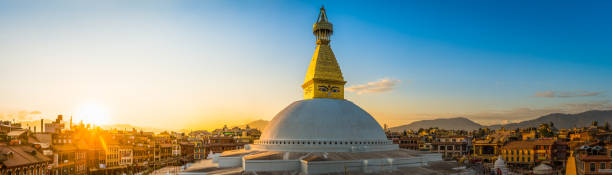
458	123
259	124
564	121
561	121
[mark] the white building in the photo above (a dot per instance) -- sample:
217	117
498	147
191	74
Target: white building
176	149
126	156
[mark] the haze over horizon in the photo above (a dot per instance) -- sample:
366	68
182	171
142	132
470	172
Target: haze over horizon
202	64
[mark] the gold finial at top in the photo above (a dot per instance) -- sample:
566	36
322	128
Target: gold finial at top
322	29
322	16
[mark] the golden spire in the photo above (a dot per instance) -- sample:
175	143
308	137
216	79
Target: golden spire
322	29
324	77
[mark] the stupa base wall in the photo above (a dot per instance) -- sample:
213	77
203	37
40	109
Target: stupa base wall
325	148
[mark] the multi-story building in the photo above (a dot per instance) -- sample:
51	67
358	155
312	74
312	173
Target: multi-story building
80	161
22	159
592	159
126	155
409	142
451	147
68	159
187	150
141	155
176	149
157	153
165	151
111	150
425	146
8	126
216	144
199	152
95	158
55	127
489	147
529	153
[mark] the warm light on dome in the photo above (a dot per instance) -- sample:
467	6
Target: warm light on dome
92	113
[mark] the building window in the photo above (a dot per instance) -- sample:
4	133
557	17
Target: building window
592	167
602	165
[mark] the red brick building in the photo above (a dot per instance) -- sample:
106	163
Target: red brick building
22	159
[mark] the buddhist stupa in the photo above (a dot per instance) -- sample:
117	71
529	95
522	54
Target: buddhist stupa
324	132
324	121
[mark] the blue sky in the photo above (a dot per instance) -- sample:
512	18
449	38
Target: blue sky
212	62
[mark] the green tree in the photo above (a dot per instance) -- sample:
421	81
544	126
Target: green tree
545	131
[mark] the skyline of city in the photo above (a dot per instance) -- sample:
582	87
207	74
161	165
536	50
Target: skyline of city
221	62
393	87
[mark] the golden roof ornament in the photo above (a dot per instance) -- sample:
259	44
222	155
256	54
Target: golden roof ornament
322	29
324	78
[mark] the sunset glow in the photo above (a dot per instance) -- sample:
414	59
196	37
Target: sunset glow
305	87
93	114
204	64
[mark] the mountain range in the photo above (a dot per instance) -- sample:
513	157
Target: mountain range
560	121
458	123
258	124
565	121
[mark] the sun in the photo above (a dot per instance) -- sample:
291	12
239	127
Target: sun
92	113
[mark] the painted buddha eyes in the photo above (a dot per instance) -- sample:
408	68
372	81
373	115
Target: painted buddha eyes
329	88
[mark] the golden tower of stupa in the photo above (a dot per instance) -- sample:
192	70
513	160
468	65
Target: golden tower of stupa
324	77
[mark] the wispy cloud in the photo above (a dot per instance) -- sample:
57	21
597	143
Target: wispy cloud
21	115
566	94
382	85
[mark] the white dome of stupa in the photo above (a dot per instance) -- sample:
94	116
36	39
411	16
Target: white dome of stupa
324	124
